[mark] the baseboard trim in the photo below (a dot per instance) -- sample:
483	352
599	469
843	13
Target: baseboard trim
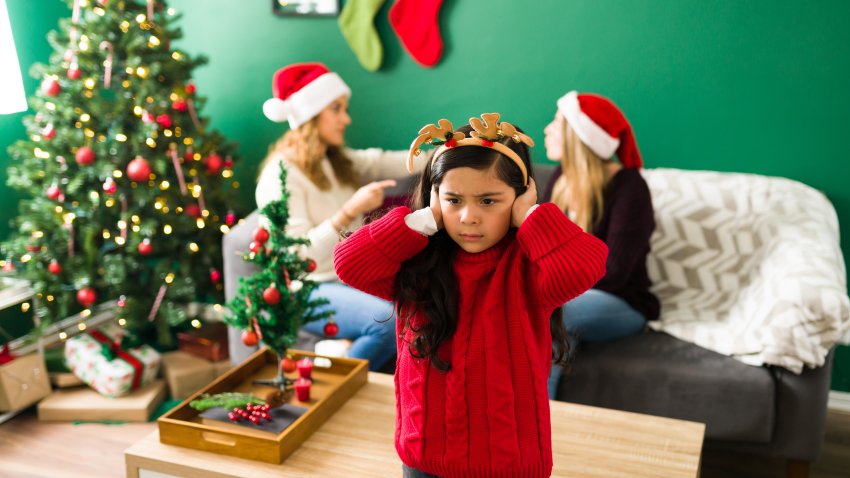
839	401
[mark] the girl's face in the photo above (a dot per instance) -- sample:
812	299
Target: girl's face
333	120
554	138
476	207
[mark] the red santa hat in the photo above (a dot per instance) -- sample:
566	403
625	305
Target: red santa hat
301	91
601	126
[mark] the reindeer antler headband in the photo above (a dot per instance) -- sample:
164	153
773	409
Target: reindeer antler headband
485	133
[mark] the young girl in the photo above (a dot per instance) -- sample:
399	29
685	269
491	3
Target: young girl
475	274
326	195
610	200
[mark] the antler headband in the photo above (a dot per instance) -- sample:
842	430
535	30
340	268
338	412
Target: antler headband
485	133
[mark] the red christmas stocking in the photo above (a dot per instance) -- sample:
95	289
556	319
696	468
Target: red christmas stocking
415	23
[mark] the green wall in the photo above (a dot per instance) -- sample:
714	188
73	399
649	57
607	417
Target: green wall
757	86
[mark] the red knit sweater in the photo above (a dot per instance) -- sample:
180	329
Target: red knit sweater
488	416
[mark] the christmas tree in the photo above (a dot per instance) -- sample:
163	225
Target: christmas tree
129	188
274	303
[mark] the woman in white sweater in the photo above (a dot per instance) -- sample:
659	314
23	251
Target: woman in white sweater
327	195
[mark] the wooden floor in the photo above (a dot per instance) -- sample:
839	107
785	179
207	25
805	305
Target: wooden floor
33	449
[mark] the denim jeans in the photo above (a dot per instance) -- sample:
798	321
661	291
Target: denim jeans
596	316
408	472
369	322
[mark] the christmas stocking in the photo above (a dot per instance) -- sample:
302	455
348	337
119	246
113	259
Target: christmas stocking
357	24
415	23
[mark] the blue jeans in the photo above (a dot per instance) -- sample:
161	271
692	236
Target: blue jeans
596	316
369	322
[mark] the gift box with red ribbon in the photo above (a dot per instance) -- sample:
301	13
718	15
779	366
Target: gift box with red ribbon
100	361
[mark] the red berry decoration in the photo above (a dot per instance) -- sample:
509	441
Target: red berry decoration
54	268
271	295
180	106
331	329
110	186
53	192
249	338
190	88
215	275
139	170
261	235
164	120
51	87
86	297
145	247
213	164
49	132
288	364
84	156
311	265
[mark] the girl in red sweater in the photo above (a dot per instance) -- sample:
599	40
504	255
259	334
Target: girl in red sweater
475	273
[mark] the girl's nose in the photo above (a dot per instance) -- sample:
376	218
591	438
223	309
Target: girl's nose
468	216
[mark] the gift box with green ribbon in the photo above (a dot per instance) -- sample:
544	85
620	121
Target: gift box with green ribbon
100	361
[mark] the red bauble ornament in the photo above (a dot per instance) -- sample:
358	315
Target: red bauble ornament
51	87
147	117
110	186
271	295
331	329
8	267
287	364
86	297
179	105
139	170
228	163
230	219
249	338
311	265
33	247
54	268
190	88
255	247
74	72
53	192
213	163
215	275
145	247
261	235
164	120
49	132
84	156
193	210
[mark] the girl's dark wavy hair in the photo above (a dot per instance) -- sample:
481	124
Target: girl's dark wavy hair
426	282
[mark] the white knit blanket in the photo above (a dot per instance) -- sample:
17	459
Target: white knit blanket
748	266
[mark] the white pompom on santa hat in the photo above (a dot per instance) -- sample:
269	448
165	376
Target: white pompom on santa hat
601	126
301	91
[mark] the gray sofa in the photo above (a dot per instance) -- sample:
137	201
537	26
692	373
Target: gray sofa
762	410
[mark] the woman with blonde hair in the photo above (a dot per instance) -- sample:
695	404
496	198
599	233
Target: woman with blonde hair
611	200
330	188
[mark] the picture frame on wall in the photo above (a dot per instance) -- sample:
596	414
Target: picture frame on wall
313	8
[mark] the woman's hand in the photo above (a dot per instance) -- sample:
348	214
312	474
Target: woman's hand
367	198
523	203
436	209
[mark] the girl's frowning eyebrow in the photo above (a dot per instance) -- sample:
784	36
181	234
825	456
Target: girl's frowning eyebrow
482	195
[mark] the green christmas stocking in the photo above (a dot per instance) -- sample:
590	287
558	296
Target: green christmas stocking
357	24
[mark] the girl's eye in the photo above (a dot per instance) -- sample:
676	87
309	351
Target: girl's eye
453	200
488	201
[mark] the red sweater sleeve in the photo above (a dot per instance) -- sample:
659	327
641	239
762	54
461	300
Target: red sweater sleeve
371	257
569	260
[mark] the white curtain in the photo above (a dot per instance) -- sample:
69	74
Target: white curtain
12	97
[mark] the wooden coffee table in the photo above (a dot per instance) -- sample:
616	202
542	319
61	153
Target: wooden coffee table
358	441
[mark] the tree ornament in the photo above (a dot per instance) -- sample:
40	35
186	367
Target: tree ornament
139	170
164	120
86	297
193	210
51	87
54	268
145	247
296	285
331	329
249	338
228	162
110	186
213	164
255	247
271	295
49	132
122	301
288	364
53	192
261	235
215	275
190	88
68	55
84	156
74	72
147	117
179	105
8	266
311	265
33	247
230	218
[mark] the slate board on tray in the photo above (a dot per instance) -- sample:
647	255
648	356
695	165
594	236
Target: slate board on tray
282	417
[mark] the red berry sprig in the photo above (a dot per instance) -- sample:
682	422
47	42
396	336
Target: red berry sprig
253	413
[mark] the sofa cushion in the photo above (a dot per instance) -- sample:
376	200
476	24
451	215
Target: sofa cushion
656	374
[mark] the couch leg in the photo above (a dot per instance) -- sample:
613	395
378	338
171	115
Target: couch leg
797	469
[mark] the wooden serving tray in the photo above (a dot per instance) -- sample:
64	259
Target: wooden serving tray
182	426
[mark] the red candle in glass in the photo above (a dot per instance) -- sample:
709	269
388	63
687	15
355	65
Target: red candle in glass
302	389
305	368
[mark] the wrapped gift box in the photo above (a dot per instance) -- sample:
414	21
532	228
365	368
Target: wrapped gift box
85	404
65	380
209	341
23	381
186	373
109	369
